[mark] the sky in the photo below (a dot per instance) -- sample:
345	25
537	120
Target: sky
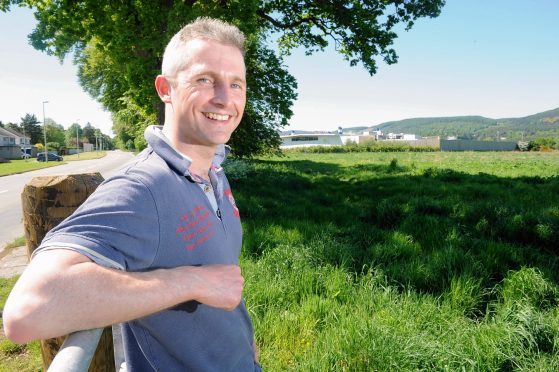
494	58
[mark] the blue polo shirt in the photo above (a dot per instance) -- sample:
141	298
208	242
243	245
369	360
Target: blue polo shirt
154	215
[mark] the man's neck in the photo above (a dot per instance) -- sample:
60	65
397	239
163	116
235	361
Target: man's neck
201	156
201	163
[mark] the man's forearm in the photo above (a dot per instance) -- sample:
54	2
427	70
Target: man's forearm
61	292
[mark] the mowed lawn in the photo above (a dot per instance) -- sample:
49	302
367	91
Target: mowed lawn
402	261
26	165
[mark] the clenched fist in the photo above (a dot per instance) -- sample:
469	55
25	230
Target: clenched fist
217	285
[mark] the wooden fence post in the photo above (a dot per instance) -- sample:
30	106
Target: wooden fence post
47	201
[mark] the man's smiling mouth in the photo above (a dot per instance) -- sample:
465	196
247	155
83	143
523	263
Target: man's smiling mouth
218	117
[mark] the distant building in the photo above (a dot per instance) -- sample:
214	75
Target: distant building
20	139
307	139
87	147
7	138
297	138
9	148
401	136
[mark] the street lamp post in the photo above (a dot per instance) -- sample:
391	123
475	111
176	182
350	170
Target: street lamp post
24	143
45	131
77	138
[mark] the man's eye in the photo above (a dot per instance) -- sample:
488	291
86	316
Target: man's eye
236	86
205	80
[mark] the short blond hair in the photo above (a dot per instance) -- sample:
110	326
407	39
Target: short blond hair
204	28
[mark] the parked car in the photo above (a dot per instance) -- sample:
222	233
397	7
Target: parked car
51	157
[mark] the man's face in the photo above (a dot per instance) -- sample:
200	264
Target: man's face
209	95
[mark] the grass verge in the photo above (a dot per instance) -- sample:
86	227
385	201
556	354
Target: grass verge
85	156
24	165
18	242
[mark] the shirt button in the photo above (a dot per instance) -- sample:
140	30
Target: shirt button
207	188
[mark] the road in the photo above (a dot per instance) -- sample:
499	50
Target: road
11	187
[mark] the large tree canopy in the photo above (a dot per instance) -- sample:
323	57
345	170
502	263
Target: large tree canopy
118	47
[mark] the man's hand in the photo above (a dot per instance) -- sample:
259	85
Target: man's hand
218	285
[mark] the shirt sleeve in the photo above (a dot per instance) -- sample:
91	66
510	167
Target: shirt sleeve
117	226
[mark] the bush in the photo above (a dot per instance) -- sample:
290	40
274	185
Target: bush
543	144
237	169
365	147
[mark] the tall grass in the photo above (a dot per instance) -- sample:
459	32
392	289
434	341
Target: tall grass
402	261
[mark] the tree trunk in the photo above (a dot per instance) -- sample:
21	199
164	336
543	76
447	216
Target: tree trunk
46	202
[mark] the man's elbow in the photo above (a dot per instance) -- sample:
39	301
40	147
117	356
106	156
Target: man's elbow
18	328
24	317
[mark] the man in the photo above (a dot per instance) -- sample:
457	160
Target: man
157	246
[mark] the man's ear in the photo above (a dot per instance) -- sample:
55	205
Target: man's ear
163	87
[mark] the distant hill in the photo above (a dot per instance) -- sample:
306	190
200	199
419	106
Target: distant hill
544	124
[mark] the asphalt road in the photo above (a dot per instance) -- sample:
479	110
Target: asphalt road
11	187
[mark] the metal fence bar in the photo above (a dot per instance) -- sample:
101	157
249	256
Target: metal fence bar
76	352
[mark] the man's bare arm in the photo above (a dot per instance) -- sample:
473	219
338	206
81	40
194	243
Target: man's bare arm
62	291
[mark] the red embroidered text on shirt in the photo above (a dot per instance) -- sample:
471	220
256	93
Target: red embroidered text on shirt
193	229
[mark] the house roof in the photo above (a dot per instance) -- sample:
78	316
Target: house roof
5	132
15	132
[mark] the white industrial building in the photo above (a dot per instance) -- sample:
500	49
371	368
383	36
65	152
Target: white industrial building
321	139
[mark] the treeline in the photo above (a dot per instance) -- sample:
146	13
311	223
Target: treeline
58	138
529	128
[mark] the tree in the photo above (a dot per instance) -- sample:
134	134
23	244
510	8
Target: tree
73	134
88	133
33	130
55	133
118	49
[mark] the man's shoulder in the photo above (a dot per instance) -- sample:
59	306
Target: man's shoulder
147	167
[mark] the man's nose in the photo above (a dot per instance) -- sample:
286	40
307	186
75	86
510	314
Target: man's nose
222	94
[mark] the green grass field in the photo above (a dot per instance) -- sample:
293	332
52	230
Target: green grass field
401	261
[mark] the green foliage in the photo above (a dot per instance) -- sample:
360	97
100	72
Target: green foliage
53	146
30	125
374	146
543	144
311	24
89	133
56	135
118	49
72	136
237	169
130	123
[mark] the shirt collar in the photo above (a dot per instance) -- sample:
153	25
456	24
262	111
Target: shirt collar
177	161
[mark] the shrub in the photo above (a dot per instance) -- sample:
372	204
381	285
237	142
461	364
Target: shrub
237	169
